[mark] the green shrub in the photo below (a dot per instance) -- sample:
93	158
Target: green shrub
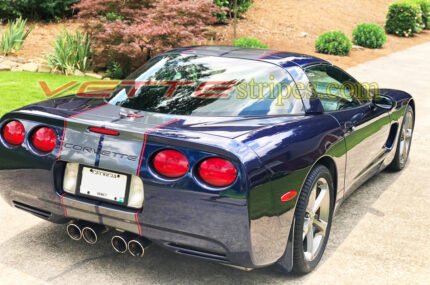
335	42
36	9
369	35
249	43
72	52
14	36
114	71
404	19
425	10
7	11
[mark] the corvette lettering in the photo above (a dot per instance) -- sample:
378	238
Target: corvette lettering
107	153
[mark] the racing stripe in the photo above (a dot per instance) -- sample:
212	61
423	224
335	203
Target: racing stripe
145	138
65	126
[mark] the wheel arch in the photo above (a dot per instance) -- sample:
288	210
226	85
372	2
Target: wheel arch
329	162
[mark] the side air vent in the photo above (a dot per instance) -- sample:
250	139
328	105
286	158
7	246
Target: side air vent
35	211
392	137
195	252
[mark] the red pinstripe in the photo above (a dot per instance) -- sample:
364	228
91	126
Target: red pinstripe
136	217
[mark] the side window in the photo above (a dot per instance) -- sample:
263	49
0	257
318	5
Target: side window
335	88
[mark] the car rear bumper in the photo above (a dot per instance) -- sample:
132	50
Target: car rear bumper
187	222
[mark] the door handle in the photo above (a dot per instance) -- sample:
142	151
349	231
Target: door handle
349	127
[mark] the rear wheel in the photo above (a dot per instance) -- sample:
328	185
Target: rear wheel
313	219
405	141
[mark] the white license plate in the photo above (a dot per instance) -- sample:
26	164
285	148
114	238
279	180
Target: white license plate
103	184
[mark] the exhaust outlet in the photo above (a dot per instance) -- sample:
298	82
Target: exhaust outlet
137	246
91	233
120	242
74	229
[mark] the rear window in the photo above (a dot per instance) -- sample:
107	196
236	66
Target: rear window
194	85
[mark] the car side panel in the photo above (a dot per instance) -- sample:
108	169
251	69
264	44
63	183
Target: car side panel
288	152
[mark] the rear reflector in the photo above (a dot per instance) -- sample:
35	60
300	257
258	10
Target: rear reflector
103	131
14	133
44	139
170	163
217	172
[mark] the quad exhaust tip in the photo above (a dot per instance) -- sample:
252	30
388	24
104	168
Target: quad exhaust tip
74	231
84	230
137	246
89	235
120	242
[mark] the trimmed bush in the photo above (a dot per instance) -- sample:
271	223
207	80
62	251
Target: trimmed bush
72	52
425	10
14	36
404	19
335	42
249	43
369	35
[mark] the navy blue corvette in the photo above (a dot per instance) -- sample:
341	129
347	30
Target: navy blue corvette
237	156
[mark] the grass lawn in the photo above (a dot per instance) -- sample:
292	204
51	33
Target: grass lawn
18	89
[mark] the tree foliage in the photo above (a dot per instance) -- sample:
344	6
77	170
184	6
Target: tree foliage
128	32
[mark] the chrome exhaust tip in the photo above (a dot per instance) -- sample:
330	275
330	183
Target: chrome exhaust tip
120	242
74	231
137	246
91	233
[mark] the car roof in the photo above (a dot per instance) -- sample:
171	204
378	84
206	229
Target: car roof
280	58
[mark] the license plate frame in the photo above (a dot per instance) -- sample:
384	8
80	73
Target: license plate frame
97	198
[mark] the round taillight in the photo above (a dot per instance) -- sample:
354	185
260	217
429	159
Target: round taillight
14	133
44	139
217	172
170	163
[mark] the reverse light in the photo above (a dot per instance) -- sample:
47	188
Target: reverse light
217	172
136	196
14	133
44	139
170	163
71	178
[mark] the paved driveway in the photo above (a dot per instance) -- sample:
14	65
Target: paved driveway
380	235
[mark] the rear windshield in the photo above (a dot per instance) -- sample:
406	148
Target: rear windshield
194	85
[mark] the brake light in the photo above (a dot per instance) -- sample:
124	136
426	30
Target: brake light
103	131
170	163
44	139
14	133
217	172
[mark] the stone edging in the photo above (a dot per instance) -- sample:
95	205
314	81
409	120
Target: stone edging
11	63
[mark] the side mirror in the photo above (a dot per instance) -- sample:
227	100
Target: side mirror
383	102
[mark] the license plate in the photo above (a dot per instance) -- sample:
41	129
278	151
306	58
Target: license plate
103	184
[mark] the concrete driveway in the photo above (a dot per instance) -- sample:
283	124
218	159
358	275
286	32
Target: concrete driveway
380	235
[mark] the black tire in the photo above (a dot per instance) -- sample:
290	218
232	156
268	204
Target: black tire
300	264
398	164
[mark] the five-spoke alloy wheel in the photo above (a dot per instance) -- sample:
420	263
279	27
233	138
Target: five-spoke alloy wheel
313	218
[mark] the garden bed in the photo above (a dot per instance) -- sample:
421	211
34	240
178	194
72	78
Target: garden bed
288	26
295	25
